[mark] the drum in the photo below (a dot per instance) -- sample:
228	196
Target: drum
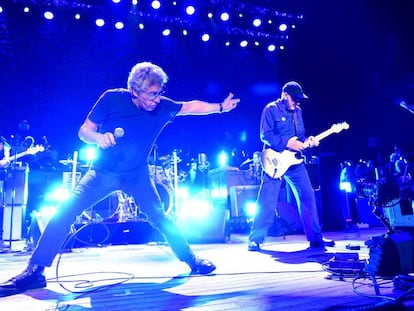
121	207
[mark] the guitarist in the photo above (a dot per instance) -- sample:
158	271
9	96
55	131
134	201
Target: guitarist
282	128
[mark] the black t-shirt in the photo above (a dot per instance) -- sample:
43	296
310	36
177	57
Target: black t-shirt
115	109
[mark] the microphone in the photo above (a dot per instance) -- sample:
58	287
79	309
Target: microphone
119	132
404	105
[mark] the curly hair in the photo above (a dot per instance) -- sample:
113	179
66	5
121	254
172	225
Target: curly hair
145	74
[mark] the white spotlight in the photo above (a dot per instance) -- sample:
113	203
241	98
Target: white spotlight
257	22
166	32
156	4
116	1
134	2
119	25
271	48
227	43
141	26
26	9
224	16
77	16
243	43
99	22
190	10
185	32
205	37
48	15
283	27
1	9
210	15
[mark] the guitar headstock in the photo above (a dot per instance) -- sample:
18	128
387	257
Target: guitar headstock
338	127
35	149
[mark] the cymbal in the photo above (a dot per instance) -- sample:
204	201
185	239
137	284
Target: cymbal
68	162
165	158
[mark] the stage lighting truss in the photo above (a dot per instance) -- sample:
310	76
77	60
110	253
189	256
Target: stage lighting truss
246	24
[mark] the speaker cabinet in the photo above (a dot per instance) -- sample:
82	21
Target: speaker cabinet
212	229
13	224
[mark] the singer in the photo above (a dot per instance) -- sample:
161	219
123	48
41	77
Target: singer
139	113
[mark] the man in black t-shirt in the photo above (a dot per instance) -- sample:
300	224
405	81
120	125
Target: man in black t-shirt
124	124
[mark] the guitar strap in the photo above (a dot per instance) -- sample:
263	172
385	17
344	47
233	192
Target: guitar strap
295	121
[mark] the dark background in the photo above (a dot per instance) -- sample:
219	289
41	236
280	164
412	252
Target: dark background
353	58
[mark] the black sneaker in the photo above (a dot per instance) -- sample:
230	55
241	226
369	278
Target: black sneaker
253	246
201	266
322	243
32	277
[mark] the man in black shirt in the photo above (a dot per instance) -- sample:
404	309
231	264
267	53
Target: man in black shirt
124	124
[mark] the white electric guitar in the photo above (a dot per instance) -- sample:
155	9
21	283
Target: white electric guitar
31	151
275	164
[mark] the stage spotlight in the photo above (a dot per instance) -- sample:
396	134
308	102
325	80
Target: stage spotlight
119	25
257	22
243	43
227	43
185	32
283	27
116	1
141	26
88	154
224	16
26	9
205	37
77	16
223	159
271	48
48	15
99	22
166	32
190	10
210	15
250	209
156	4
256	43
134	2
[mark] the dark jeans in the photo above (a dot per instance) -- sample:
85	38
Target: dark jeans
298	179
94	187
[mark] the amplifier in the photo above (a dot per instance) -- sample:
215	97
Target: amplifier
239	196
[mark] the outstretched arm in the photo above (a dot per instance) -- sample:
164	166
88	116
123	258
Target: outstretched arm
198	107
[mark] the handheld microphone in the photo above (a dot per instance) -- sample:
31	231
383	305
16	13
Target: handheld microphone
404	105
119	132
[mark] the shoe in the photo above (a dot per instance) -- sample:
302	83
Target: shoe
253	246
328	243
322	243
201	266
32	277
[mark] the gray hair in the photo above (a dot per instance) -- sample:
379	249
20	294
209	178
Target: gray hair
145	74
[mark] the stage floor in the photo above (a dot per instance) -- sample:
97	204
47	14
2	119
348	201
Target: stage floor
285	275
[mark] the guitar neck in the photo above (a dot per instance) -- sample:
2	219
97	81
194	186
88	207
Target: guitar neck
18	156
324	134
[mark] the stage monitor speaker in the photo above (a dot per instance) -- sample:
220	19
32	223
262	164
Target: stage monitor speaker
212	229
14	222
391	254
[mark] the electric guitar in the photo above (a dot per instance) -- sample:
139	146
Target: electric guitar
31	151
275	164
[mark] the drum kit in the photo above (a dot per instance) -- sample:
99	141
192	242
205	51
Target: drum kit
122	207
